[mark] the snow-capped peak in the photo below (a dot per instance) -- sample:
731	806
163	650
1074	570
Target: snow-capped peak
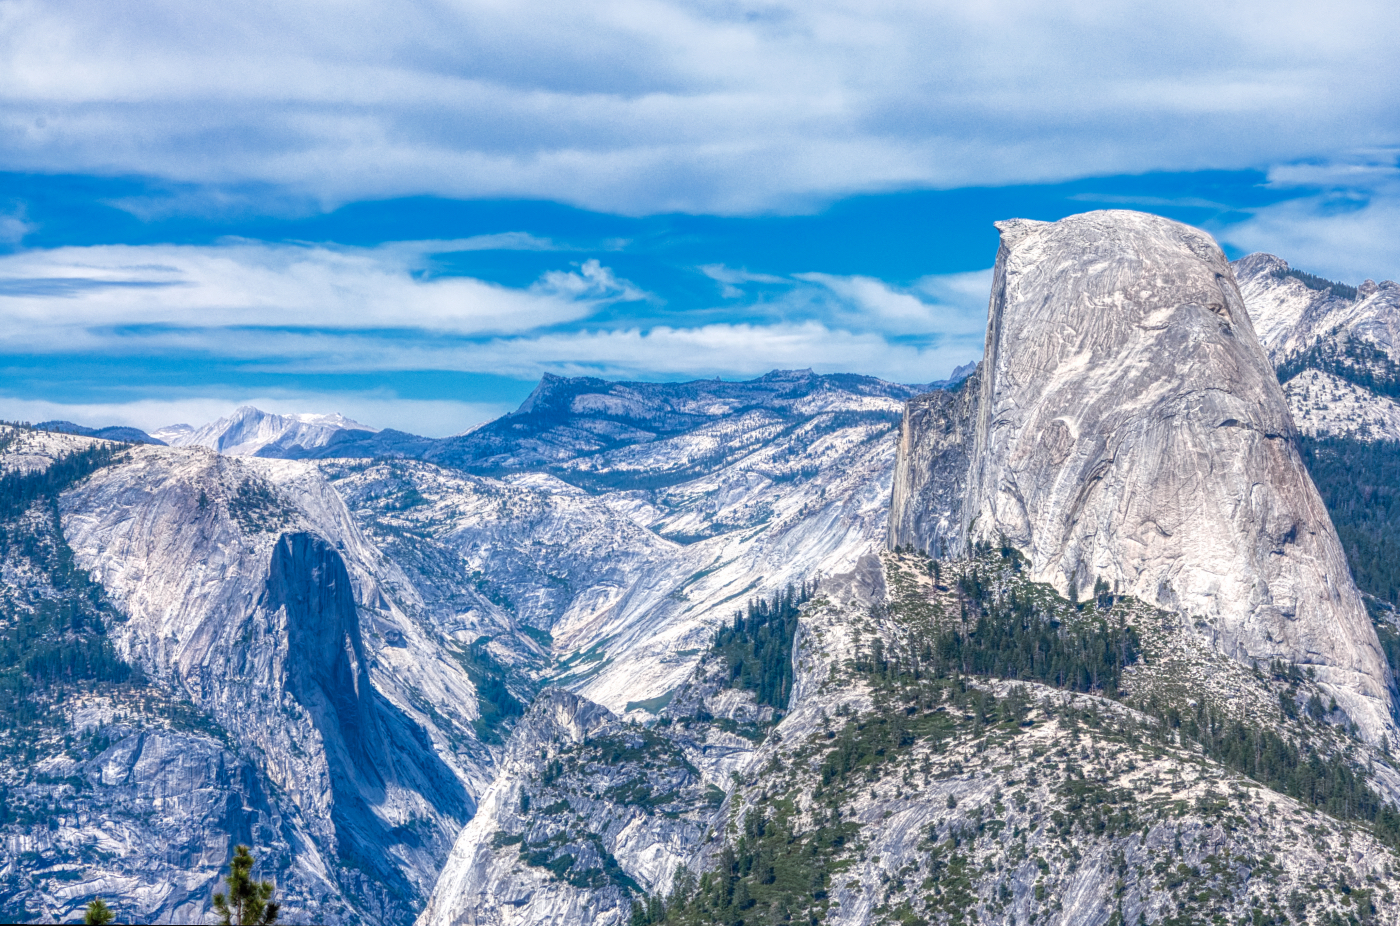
250	431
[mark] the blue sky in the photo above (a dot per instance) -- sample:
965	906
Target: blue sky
408	212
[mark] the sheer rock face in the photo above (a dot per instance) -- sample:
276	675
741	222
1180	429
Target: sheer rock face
248	589
930	479
1130	429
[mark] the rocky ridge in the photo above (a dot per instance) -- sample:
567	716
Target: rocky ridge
629	583
1348	336
25	450
882	795
469	593
1295	310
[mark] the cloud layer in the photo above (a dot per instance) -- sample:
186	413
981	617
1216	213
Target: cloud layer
298	310
647	106
1345	226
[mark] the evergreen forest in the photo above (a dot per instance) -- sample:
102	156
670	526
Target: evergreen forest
757	645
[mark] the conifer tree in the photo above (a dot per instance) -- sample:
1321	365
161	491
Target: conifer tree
98	913
247	903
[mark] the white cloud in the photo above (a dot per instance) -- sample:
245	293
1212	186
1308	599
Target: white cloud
878	305
729	350
729	279
661	351
79	298
13	227
968	291
303	308
432	418
592	283
658	105
1347	231
959	309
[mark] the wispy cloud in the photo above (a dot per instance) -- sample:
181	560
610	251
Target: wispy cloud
298	309
13	226
733	350
1343	226
662	105
730	279
84	298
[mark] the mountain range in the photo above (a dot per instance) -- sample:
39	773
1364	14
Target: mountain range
1070	638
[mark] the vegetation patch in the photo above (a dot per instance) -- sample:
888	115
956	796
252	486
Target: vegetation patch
1359	482
496	706
53	630
1314	282
258	509
757	645
1351	359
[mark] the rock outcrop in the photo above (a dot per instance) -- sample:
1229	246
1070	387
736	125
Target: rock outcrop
886	796
1325	405
1131	431
931	468
1336	347
586	814
246	588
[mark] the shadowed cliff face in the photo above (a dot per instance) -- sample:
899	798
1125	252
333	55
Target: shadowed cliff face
325	664
1130	429
375	754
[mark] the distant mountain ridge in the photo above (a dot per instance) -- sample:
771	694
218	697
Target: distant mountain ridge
252	432
471	592
111	432
567	419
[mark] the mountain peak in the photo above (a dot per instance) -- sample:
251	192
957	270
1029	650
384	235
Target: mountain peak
250	431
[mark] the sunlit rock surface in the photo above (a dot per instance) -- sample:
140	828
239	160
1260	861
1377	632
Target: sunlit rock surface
1325	405
1132	431
1336	347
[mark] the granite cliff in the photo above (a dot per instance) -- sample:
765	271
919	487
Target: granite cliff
932	467
969	738
1131	431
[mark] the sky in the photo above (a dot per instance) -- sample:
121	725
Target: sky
409	212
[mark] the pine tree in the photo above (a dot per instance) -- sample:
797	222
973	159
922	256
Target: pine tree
247	903
98	913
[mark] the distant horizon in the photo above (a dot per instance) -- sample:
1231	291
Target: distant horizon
957	375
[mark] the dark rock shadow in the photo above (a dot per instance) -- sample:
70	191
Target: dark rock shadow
370	744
